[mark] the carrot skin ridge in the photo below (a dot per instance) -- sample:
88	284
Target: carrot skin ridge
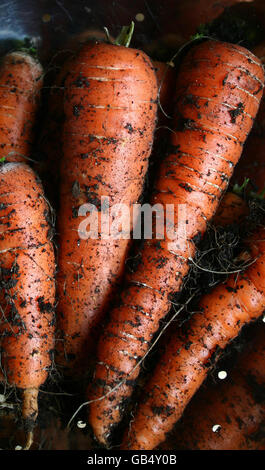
209	131
110	106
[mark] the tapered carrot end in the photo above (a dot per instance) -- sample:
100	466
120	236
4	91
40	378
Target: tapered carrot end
29	413
30	404
29	441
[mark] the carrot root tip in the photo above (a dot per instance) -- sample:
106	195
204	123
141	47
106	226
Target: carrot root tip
30	408
29	440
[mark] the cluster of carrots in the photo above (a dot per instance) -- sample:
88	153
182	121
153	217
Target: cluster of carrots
74	305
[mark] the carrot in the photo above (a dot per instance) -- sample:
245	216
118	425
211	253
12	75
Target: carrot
217	96
183	367
232	209
110	108
27	294
78	39
228	415
50	140
20	84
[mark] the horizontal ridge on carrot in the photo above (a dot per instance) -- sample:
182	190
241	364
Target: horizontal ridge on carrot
27	278
110	105
218	91
183	367
21	78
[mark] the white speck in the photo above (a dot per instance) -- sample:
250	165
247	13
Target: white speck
216	428
263	319
2	398
81	424
18	448
222	374
88	10
139	17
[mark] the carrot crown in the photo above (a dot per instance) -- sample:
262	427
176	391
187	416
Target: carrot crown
124	38
240	190
24	45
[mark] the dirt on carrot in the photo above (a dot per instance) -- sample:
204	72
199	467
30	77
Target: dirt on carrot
218	90
21	78
190	354
227	414
27	286
110	106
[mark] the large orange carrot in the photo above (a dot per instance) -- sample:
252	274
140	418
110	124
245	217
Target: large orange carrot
186	361
228	415
20	84
27	297
110	114
218	90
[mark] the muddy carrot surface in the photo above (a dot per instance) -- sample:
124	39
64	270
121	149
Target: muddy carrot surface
218	91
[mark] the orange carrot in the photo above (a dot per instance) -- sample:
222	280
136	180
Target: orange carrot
228	415
110	113
218	90
232	209
50	141
27	294
20	84
183	367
